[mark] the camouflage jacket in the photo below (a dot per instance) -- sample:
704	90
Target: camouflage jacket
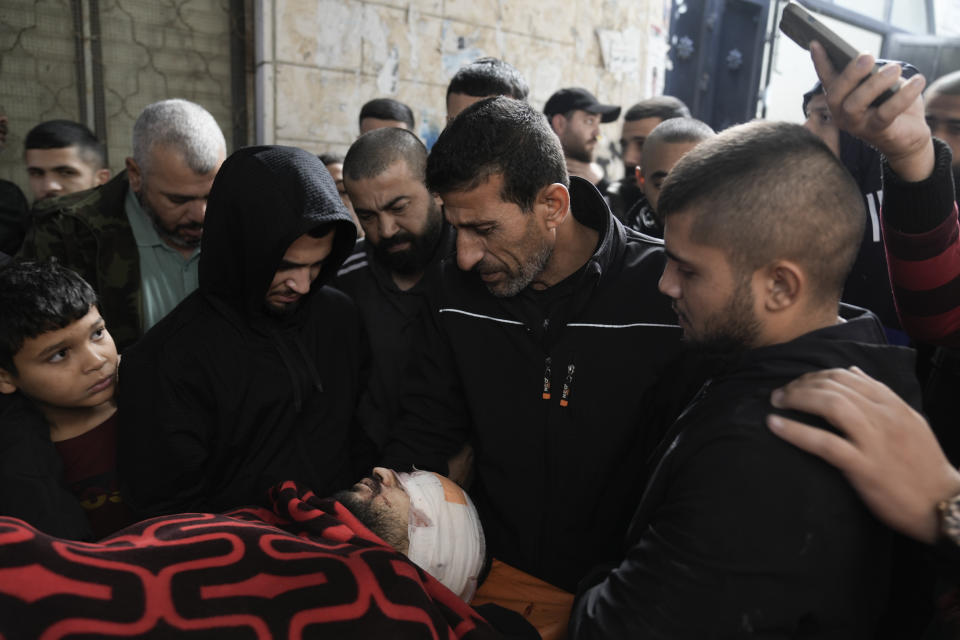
89	232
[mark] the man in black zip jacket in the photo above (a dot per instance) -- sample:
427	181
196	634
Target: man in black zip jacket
546	331
254	378
393	270
739	534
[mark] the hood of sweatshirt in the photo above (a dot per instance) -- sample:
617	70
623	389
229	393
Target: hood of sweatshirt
263	199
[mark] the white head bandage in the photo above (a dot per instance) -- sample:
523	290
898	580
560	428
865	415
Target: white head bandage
445	535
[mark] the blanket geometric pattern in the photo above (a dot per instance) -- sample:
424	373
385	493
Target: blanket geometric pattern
307	569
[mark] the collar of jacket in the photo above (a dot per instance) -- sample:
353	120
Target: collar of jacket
813	350
26	451
590	209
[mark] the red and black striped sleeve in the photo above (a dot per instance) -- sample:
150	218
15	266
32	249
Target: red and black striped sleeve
922	239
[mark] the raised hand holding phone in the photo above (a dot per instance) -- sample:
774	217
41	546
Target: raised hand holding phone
801	27
897	127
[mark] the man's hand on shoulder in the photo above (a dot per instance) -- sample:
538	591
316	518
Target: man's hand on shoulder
889	454
897	127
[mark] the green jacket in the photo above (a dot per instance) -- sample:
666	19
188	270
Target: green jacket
89	232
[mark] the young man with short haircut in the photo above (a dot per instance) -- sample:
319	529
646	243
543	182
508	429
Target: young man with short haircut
385	112
638	121
739	532
63	157
484	78
58	369
667	143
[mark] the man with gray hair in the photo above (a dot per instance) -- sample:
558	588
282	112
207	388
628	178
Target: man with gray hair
136	239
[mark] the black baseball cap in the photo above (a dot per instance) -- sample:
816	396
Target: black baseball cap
576	98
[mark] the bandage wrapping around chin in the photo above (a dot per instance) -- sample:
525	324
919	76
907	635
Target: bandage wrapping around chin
445	535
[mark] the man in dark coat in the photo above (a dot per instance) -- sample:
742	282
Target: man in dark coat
546	330
393	270
739	534
254	378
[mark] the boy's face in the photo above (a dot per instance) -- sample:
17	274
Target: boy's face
72	368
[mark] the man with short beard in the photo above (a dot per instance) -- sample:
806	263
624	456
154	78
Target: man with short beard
575	115
393	270
136	239
739	533
545	332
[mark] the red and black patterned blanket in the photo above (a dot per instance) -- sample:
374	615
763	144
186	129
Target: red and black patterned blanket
308	569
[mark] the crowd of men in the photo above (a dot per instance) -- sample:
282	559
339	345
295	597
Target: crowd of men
622	375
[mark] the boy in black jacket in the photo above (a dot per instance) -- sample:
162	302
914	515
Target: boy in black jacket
58	370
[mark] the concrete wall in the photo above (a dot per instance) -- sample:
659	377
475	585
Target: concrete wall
318	61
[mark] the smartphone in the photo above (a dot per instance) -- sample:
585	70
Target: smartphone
801	27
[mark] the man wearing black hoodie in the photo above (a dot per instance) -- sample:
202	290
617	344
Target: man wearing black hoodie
254	378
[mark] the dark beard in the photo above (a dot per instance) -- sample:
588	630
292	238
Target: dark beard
739	329
579	153
287	310
421	251
630	191
715	346
377	520
164	233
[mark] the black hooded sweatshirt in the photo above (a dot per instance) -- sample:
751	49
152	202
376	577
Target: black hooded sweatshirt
220	400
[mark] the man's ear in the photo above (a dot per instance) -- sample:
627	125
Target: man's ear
554	199
784	283
7	382
134	175
102	175
558	122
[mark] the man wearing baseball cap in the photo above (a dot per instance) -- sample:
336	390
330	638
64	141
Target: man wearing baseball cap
575	115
